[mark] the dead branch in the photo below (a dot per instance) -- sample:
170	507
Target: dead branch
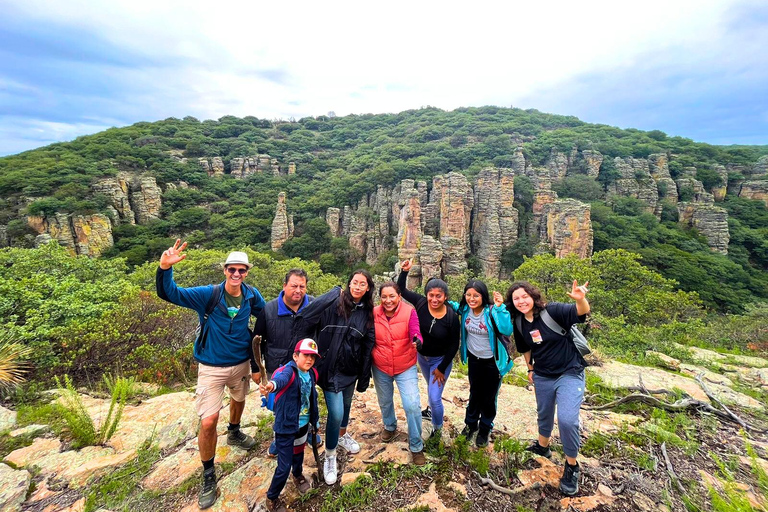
505	490
671	470
714	399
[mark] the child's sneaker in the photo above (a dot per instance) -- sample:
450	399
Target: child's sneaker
349	444
302	484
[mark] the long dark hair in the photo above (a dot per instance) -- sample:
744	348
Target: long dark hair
480	288
347	303
538	301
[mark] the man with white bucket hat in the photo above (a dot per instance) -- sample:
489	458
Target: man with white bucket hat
222	349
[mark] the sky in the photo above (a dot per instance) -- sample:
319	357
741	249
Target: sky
697	69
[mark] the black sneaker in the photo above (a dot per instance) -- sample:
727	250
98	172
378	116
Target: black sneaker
482	438
207	496
240	439
541	451
468	431
569	484
426	414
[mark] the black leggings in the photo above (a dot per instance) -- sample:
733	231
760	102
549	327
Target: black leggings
484	384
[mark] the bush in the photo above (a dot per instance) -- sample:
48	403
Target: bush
81	426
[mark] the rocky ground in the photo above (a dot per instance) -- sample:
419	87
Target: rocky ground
152	462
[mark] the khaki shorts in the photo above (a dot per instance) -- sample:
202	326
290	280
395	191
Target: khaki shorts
211	380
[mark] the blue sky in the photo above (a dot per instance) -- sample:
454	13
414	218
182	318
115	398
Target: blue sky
698	69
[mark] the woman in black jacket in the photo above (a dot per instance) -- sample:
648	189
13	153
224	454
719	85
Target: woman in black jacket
342	324
440	328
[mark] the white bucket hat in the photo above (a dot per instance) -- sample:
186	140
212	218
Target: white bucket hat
237	257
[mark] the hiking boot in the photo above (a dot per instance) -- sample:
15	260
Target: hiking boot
387	435
240	439
541	451
275	505
418	458
569	484
349	444
426	413
302	484
481	441
468	431
207	496
329	469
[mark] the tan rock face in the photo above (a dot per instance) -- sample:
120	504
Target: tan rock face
430	258
146	199
333	218
711	221
569	228
592	162
755	190
281	225
409	236
494	219
87	235
118	191
658	164
635	181
456	202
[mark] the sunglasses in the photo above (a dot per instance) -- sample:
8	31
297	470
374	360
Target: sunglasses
241	271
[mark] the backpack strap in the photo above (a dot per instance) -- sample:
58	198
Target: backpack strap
519	324
550	322
213	301
294	370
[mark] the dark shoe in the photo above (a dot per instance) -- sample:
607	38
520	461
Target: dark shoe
569	484
482	438
207	496
418	458
437	432
388	435
302	484
541	451
426	414
240	439
275	505
469	430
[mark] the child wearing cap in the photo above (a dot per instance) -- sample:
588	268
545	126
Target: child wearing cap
295	408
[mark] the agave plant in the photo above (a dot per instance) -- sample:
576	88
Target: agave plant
13	362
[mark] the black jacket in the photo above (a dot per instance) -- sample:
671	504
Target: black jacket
345	344
276	328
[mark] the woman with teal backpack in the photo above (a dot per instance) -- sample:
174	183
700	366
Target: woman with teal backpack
482	322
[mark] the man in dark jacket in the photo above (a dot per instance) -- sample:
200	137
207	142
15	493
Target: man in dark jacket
223	351
276	324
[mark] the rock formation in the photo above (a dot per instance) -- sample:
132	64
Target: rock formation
282	225
456	202
719	191
756	190
333	218
409	235
635	181
88	235
710	220
592	162
118	190
145	199
494	219
658	165
568	228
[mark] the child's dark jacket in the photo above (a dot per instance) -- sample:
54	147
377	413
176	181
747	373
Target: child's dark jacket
288	398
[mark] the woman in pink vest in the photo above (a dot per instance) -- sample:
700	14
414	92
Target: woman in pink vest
394	361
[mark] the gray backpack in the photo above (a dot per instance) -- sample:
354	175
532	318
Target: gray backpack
575	335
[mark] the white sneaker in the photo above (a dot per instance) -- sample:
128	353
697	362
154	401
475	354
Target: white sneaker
349	444
329	469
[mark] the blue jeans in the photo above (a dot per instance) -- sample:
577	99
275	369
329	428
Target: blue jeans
408	385
434	390
338	405
566	392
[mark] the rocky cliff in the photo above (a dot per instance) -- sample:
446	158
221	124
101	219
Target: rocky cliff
282	225
87	235
242	167
635	181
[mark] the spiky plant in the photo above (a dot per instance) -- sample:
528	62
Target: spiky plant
13	364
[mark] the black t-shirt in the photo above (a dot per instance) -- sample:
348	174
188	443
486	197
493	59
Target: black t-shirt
552	354
441	335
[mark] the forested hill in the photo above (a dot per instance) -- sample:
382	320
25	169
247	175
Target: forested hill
695	212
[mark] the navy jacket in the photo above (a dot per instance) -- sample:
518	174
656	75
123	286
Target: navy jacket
288	399
229	340
275	325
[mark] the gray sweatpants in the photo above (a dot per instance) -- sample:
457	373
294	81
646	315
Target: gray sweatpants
567	393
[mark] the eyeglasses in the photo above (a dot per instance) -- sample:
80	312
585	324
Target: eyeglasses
241	271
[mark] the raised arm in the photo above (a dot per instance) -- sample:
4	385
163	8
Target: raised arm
579	294
402	281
